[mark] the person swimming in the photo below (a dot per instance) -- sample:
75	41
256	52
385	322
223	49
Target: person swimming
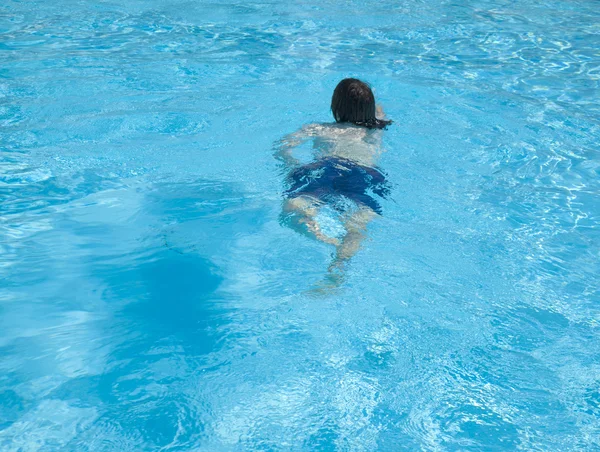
332	198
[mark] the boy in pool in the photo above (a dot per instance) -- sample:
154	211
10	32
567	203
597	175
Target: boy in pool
331	197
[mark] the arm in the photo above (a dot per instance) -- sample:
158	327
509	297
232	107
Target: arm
284	146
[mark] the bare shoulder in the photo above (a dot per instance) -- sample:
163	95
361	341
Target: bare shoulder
313	130
344	131
335	131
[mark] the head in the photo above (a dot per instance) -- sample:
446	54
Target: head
354	102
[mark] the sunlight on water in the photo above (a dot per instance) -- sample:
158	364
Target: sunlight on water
152	297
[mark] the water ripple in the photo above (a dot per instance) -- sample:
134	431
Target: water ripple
150	299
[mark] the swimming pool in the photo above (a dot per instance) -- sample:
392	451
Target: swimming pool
150	297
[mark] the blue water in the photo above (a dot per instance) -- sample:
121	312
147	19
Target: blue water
151	298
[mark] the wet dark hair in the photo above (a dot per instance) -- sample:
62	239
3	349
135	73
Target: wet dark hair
354	102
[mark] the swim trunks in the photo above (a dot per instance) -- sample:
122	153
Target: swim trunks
330	178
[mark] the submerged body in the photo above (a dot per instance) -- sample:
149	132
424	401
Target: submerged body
334	196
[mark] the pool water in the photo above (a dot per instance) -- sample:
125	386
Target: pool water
152	299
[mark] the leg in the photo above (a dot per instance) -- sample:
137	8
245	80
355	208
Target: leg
305	209
356	226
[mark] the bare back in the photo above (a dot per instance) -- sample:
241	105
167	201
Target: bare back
358	144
